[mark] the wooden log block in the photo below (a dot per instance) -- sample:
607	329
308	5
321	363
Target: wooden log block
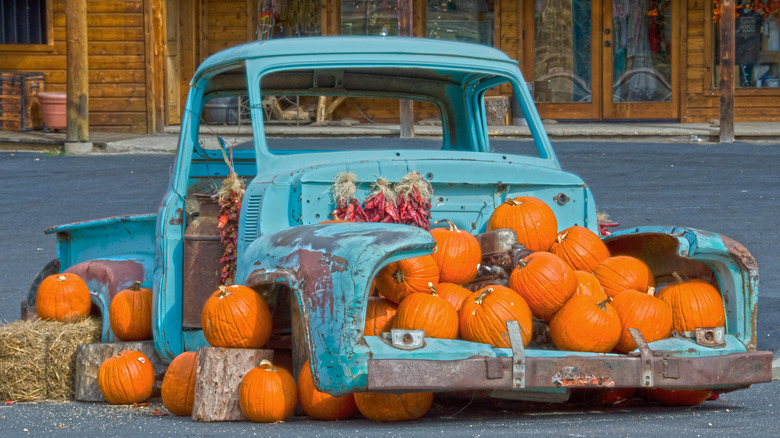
497	108
219	375
89	357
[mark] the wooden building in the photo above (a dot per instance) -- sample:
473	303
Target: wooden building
587	59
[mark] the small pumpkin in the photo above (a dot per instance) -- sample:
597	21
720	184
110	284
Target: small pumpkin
457	253
545	281
584	324
588	285
531	218
679	397
178	387
125	378
642	311
319	405
453	293
695	303
580	248
379	316
619	273
385	407
267	394
484	315
428	312
130	313
398	280
236	316
62	297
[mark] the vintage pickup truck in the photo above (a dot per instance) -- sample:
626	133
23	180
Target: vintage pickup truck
315	276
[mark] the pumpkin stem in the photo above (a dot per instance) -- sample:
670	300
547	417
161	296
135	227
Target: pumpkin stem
522	263
449	223
513	201
136	286
651	291
603	305
62	278
265	363
224	292
561	237
398	275
481	297
433	289
678	278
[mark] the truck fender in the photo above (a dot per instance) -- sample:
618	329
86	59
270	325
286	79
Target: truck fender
329	268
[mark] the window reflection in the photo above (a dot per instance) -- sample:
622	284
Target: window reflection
461	20
369	17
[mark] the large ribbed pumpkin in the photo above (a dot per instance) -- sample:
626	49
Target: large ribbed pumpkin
643	311
545	281
130	313
679	397
125	378
428	312
584	324
393	407
532	220
62	297
319	405
484	315
588	285
695	303
580	248
457	253
267	394
619	273
398	280
178	387
454	294
379	316
236	317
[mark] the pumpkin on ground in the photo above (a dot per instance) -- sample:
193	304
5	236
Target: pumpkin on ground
267	394
178	387
130	313
695	303
454	294
319	405
588	285
428	312
580	248
62	297
532	220
393	407
484	315
457	253
379	316
642	311
398	280
679	397
125	378
584	324
619	273
236	317
545	281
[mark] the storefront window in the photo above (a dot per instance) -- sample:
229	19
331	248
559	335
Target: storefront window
461	20
369	17
292	18
756	44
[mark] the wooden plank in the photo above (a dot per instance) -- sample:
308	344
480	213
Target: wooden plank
107	20
113	61
118	104
117	90
154	28
107	76
106	34
227	33
117	118
115	6
77	103
116	48
237	19
727	20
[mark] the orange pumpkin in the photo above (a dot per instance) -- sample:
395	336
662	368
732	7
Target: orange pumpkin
457	253
584	324
588	285
125	378
453	293
641	311
532	220
398	280
62	297
379	316
580	248
236	317
484	315
130	313
178	387
393	407
545	281
694	303
679	397
618	273
428	312
319	405
267	394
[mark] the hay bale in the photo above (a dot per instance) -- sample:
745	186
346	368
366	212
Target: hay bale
37	357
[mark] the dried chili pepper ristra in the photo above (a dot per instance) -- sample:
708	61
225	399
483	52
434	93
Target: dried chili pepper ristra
229	199
413	200
347	206
379	206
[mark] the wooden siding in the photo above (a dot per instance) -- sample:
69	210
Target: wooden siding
225	24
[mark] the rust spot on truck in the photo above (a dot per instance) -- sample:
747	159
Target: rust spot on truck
574	377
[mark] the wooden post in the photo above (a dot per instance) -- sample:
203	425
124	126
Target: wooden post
154	52
727	71
406	28
77	72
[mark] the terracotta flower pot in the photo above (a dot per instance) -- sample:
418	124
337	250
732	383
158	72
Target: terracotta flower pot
53	109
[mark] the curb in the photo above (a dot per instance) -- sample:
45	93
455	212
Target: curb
776	366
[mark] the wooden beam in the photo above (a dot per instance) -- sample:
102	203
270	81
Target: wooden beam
406	28
154	44
77	72
727	20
